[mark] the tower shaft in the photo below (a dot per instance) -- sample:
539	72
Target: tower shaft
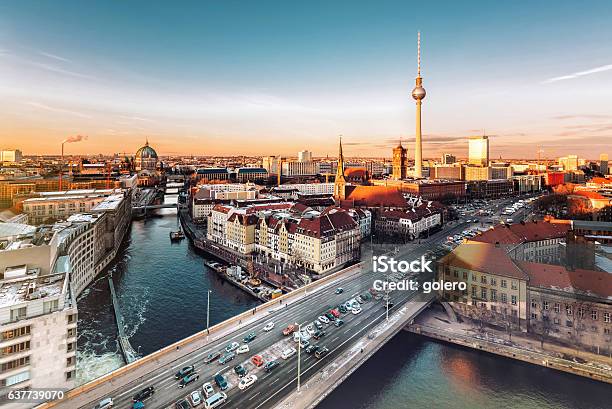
418	144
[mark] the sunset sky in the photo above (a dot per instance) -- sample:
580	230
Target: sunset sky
275	77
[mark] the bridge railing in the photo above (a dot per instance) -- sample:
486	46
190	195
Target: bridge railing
201	336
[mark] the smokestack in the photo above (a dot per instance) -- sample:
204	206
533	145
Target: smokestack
70	139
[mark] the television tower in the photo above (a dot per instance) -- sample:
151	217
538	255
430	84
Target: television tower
418	93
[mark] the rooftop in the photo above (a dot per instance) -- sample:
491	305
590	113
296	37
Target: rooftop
24	289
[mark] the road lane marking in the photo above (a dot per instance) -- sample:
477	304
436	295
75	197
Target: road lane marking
253	397
276	380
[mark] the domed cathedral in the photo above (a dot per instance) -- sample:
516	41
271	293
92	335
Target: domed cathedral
146	158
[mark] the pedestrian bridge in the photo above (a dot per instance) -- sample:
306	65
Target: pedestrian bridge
349	345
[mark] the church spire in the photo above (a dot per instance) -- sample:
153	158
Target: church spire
340	183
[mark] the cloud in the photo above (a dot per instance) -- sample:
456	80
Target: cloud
55	109
582	116
579	74
54	56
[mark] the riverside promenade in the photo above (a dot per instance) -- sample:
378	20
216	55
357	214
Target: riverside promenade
435	323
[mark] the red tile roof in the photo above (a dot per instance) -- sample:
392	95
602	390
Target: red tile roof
589	282
520	233
376	196
486	258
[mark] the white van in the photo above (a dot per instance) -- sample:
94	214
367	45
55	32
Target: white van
288	353
215	400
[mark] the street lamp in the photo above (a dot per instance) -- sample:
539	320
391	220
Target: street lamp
208	313
299	355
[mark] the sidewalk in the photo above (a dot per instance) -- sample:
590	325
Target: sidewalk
436	323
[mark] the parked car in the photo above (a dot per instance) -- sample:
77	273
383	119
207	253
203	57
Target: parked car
288	353
257	360
221	381
323	319
195	398
184	372
247	381
240	370
182	404
318	324
338	323
208	389
243	349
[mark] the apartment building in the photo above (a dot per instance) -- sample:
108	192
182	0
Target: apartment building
318	241
496	288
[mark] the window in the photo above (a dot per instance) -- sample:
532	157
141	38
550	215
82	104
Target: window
474	291
504	284
7	366
513	300
534	305
493	295
557	307
504	298
568	323
18	378
493	282
545	305
514	285
606	317
15	333
534	316
580	312
568	309
18	313
465	275
594	315
483	279
483	293
50	306
556	321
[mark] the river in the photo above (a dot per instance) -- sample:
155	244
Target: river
162	290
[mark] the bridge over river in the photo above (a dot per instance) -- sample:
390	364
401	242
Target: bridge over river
364	332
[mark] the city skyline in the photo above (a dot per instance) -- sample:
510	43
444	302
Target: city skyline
232	75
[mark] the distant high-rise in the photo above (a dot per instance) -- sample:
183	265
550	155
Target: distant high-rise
418	93
304	156
569	162
400	162
271	164
603	163
479	150
11	155
448	159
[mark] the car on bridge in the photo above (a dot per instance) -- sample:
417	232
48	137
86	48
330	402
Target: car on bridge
288	353
240	370
289	330
144	394
271	365
232	347
226	358
189	379
339	290
106	403
247	381
184	372
269	326
243	349
249	337
312	349
213	356
321	352
221	381
319	334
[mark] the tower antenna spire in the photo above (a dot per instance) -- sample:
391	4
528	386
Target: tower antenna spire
419	54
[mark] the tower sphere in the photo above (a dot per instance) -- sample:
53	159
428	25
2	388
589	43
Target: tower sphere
418	93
